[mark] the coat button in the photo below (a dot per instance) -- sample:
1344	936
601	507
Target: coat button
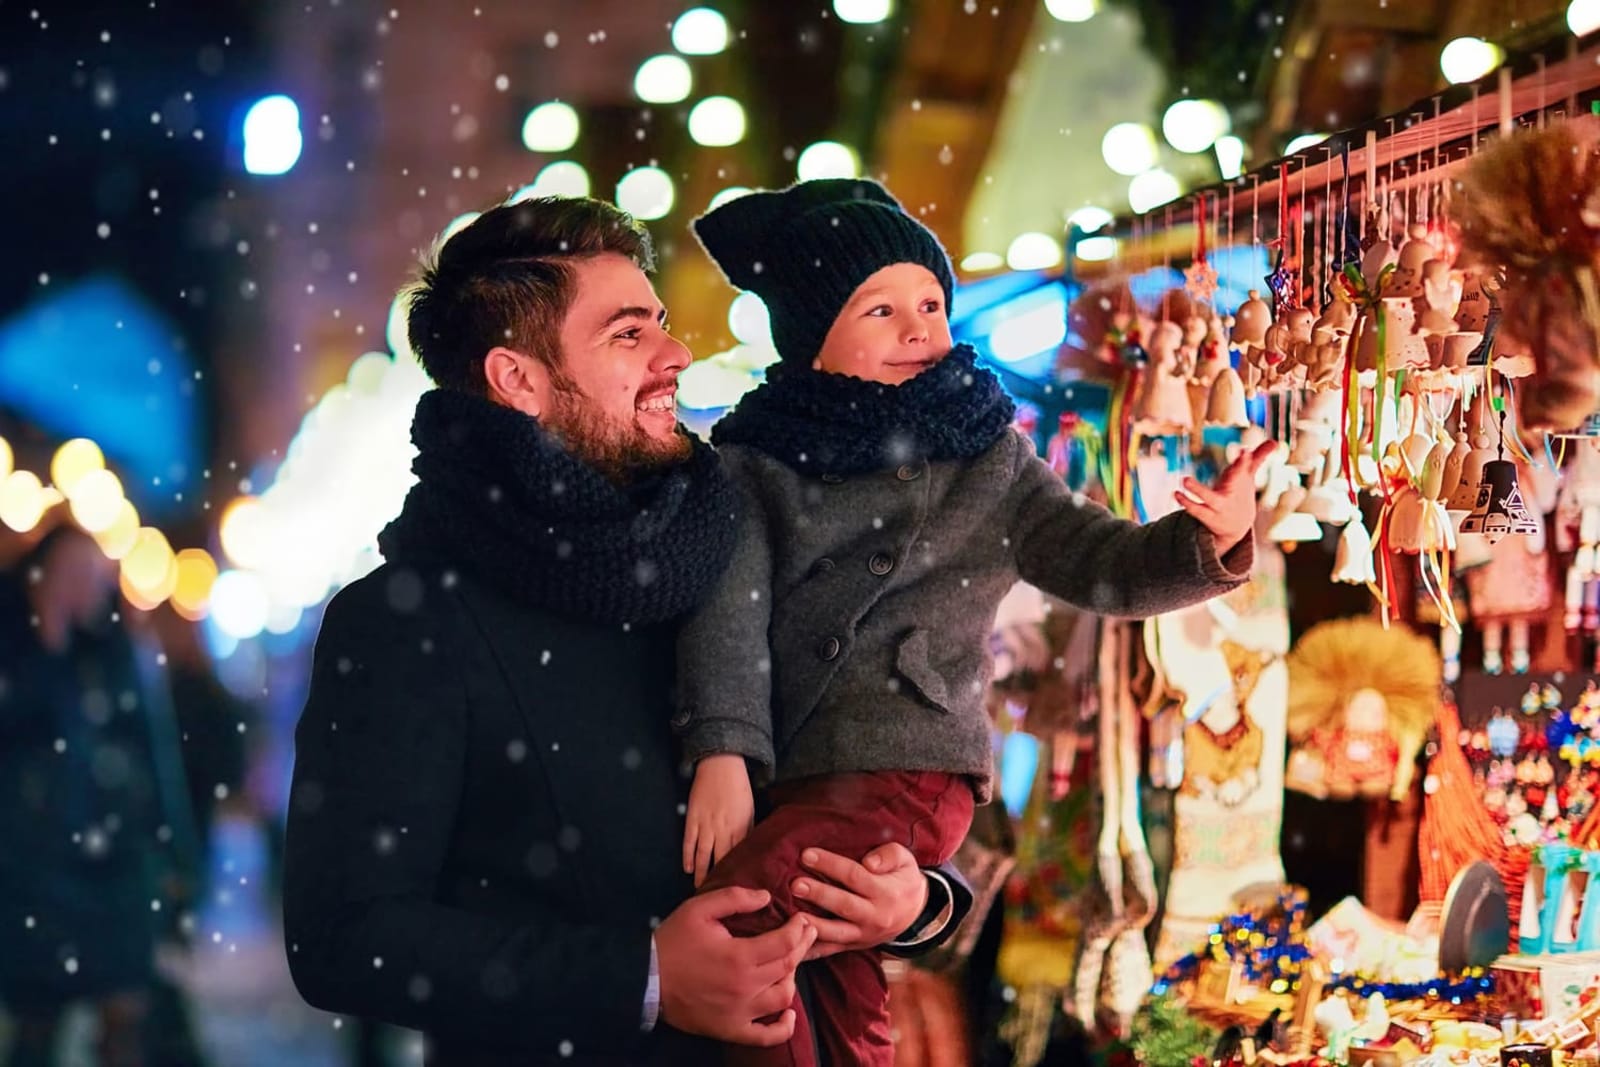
822	566
880	564
829	649
832	479
680	718
907	473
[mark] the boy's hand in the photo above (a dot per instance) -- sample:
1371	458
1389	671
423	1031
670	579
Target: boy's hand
721	812
1228	509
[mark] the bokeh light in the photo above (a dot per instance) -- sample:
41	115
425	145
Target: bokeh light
663	80
700	31
646	193
551	127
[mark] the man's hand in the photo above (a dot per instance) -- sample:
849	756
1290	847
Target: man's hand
718	985
873	901
721	812
1228	510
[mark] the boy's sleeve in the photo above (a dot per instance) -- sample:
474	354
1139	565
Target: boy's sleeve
1073	548
724	689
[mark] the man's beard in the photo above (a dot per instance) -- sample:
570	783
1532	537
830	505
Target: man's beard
623	452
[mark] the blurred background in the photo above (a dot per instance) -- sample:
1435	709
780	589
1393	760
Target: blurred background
209	208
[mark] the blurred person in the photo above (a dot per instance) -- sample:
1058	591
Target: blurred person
484	827
85	800
210	733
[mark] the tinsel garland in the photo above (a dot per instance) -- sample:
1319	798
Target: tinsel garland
1270	946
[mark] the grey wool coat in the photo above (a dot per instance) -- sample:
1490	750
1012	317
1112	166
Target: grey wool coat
851	630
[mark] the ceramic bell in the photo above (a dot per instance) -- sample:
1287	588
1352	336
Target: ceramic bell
1251	322
1162	405
1405	521
1450	475
1404	347
1406	280
1498	508
1226	404
1289	521
1352	560
1374	259
1472	310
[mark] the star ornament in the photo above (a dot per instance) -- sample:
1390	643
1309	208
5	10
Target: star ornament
1285	297
1200	280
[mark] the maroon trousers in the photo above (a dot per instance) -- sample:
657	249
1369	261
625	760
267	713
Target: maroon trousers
851	814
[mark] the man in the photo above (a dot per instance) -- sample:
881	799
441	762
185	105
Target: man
484	828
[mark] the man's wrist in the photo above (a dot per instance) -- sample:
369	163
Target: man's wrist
935	915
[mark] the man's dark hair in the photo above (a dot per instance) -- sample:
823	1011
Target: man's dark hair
504	279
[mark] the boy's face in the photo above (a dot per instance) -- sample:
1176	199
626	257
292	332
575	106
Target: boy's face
894	327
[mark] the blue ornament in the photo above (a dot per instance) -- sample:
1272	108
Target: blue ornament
1504	736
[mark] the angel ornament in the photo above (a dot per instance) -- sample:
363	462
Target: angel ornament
1357	720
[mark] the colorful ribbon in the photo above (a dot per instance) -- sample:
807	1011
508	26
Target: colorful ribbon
1370	298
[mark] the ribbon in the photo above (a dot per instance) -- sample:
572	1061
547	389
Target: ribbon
1371	299
1352	406
1505	406
1381	552
1433	569
1117	429
1090	445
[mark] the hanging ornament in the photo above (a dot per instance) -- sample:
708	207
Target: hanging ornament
1251	321
1226	404
1465	494
1352	560
1414	256
1499	509
1453	465
1284	281
1161	406
1200	279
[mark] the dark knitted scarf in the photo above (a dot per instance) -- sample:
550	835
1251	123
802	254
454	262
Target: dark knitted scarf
821	423
499	497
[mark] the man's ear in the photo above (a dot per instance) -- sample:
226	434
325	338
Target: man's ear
517	381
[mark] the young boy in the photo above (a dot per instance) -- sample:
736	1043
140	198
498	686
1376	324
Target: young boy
888	507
